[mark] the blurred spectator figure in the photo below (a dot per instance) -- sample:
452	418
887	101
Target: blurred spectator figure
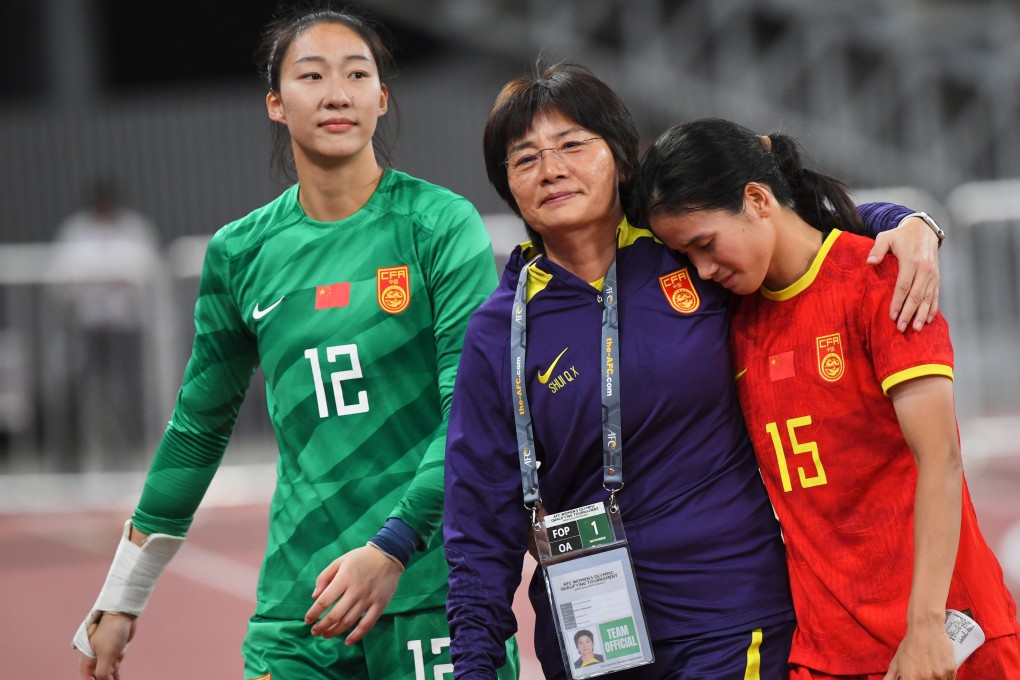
104	258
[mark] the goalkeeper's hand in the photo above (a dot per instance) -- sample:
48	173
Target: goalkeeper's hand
104	634
109	639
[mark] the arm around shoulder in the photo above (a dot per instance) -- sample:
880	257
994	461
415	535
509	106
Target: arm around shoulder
911	237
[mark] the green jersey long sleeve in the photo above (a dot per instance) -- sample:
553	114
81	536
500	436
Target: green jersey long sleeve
357	325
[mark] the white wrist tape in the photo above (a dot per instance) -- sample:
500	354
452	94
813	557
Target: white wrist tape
130	581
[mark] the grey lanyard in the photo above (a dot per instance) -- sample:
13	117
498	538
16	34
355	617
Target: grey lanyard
612	434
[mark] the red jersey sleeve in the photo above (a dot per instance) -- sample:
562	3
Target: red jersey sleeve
898	357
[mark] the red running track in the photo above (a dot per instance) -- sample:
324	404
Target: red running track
52	565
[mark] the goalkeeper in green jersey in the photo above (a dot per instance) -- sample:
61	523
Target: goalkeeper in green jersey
352	290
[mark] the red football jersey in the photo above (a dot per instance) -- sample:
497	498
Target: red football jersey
814	363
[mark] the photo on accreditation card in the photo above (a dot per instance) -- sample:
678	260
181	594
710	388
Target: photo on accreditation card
600	624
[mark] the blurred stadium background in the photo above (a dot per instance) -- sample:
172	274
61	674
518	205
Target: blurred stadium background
916	101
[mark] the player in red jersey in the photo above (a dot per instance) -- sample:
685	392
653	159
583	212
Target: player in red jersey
853	421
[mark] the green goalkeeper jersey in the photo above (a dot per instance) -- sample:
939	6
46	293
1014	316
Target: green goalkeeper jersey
357	325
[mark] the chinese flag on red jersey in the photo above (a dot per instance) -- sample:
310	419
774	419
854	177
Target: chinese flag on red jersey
335	295
781	366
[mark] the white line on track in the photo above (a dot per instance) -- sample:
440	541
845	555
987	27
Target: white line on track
98	491
211	569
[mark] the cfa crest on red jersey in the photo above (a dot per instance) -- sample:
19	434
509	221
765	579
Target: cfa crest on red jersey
393	288
831	364
679	291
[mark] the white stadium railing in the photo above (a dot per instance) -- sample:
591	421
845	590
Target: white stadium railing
50	422
987	217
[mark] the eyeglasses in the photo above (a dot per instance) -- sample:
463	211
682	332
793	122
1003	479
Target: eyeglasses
521	162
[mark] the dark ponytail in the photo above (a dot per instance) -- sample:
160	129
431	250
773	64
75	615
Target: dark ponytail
705	165
820	200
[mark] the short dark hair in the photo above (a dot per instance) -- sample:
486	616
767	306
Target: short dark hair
575	92
583	633
705	164
277	37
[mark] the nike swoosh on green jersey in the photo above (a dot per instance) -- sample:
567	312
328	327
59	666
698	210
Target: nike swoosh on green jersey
259	313
543	378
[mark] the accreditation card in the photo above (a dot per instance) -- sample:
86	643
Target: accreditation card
589	576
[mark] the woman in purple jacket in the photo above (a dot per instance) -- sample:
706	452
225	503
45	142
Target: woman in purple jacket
561	149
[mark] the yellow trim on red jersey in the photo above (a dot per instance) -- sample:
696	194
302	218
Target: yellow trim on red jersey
801	284
922	371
